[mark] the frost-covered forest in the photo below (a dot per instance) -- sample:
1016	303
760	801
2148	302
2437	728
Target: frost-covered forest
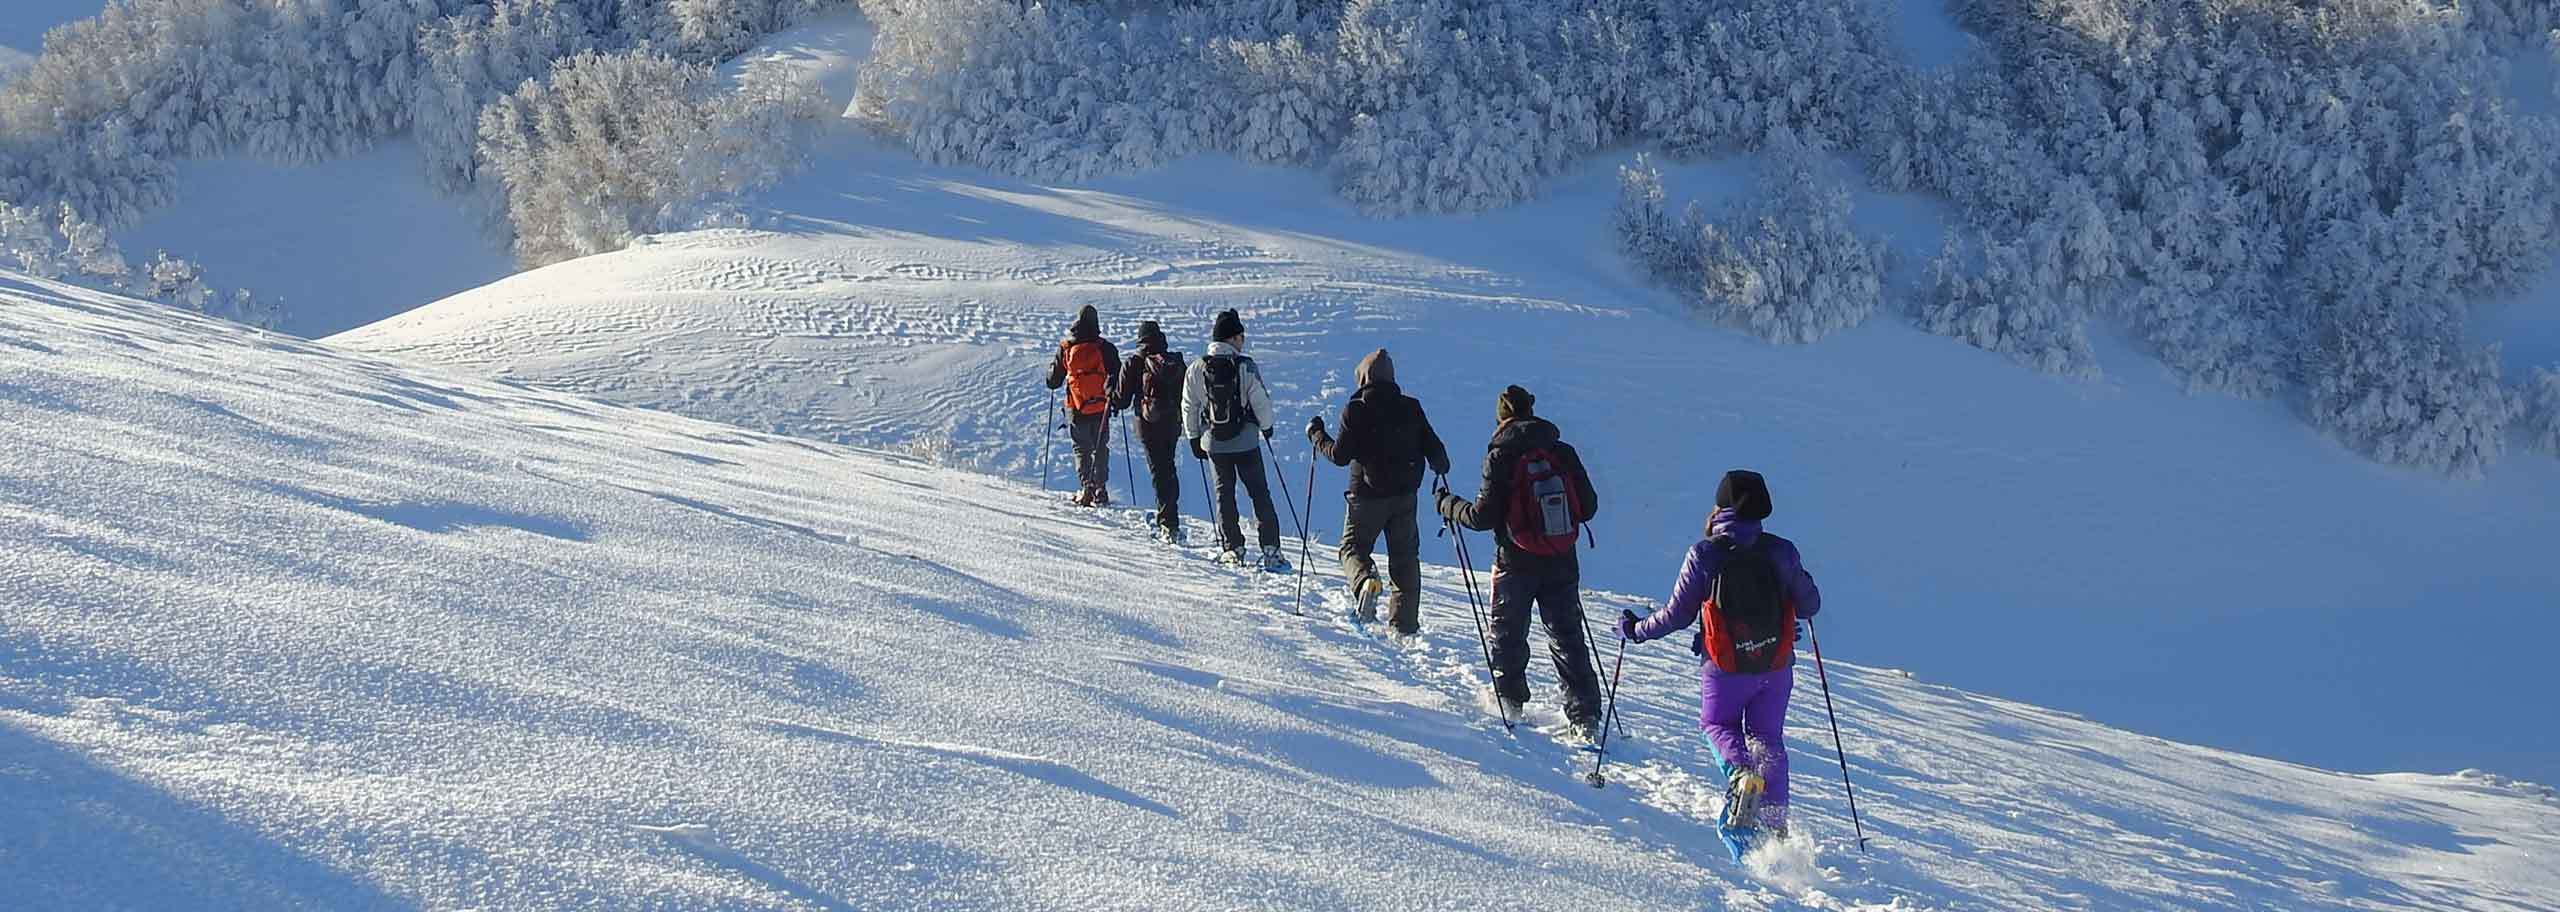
2280	199
97	120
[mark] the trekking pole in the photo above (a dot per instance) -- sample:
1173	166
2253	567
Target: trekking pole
1609	715
1129	469
1466	572
1842	752
1304	547
1048	437
1209	496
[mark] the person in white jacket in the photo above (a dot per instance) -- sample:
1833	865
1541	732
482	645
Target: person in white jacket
1227	415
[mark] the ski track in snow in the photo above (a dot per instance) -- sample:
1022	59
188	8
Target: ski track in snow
296	627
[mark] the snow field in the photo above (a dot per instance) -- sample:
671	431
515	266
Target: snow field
297	626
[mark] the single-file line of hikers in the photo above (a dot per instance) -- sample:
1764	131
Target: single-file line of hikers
1744	589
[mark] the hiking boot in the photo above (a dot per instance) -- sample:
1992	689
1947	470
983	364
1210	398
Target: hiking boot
1098	499
1367	595
1273	562
1082	499
1742	799
1233	557
1582	731
1513	710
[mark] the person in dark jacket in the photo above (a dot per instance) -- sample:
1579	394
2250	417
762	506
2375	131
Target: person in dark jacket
1744	714
1084	367
1388	443
1151	385
1523	577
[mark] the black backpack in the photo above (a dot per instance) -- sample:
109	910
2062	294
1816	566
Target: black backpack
1228	414
1160	388
1750	626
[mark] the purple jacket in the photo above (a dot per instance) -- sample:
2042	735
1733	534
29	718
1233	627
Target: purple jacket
1697	576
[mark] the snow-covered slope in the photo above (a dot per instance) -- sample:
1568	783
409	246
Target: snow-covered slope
2248	580
289	626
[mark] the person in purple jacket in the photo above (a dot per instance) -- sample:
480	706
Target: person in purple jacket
1749	592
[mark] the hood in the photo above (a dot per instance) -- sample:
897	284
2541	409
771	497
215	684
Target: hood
1088	326
1520	434
1150	338
1376	370
1724	525
1224	348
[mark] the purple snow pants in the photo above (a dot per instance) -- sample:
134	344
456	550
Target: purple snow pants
1745	717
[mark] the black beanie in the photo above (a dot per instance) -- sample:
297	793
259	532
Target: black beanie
1745	492
1515	403
1228	326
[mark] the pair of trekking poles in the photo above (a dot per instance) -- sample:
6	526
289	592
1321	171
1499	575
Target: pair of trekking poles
1618	665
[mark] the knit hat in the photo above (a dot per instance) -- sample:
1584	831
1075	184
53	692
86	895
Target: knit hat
1746	492
1515	403
1228	326
1088	322
1377	368
1147	329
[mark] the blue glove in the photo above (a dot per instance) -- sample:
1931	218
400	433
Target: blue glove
1627	626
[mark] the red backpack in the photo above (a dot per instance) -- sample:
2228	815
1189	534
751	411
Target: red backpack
1545	516
1748	625
1088	378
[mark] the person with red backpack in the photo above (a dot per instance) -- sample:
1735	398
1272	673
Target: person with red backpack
1750	594
1150	388
1535	499
1084	366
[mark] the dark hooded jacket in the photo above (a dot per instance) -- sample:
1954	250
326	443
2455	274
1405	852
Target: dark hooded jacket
1087	328
1492	506
1132	388
1386	439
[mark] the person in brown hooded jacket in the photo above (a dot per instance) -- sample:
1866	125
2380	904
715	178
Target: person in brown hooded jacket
1388	443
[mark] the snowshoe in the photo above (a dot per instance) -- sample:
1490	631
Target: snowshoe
1367	595
1272	562
1742	799
1513	711
1232	557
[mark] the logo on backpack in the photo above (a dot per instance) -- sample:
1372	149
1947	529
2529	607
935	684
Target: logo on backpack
1160	388
1088	378
1750	626
1228	414
1545	515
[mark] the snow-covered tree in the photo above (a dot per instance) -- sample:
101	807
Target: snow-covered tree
2539	411
613	146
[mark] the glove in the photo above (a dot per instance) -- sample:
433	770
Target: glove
1197	452
1315	427
1627	626
1802	633
1266	435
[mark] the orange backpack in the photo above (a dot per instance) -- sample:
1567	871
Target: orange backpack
1088	378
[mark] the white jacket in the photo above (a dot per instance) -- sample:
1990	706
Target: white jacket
1195	403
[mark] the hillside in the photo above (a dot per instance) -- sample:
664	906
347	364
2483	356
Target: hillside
2244	567
383	636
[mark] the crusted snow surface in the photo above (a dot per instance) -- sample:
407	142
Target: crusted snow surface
291	626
